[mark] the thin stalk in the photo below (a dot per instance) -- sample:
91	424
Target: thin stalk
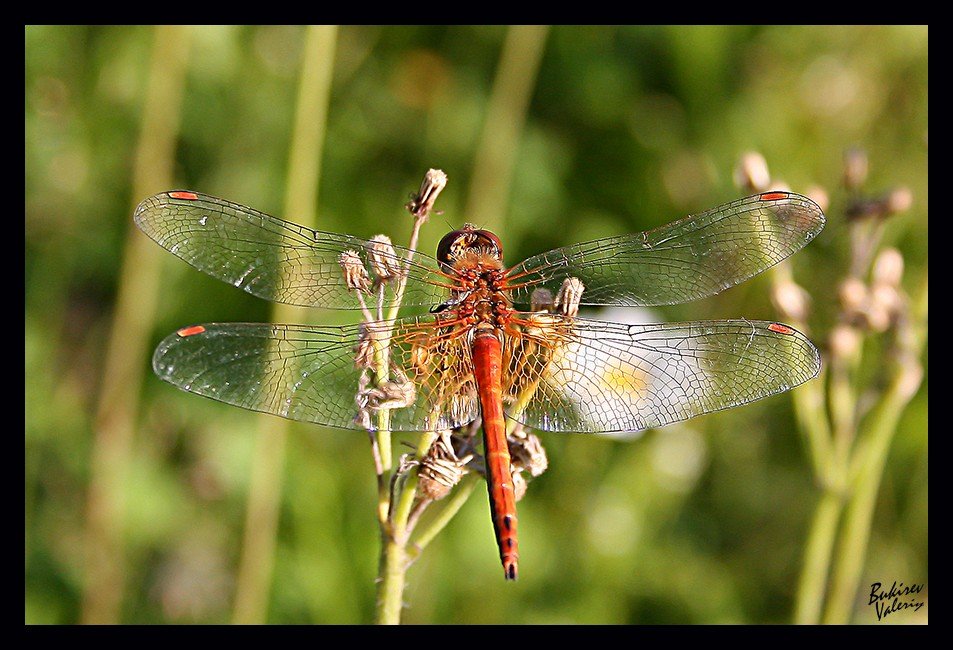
810	412
809	404
495	158
393	516
450	508
876	435
812	585
304	170
118	407
488	196
408	492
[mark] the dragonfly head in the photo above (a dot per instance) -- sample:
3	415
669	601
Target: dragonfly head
468	239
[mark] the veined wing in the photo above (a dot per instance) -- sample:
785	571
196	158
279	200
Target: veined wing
270	258
311	374
594	377
695	257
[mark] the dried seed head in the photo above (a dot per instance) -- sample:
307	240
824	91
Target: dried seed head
853	295
791	300
384	260
440	469
421	204
751	172
856	165
878	315
899	200
888	268
886	304
364	350
844	341
541	300
569	297
396	394
355	275
519	484
526	452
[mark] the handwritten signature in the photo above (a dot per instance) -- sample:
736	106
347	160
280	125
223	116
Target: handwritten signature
895	599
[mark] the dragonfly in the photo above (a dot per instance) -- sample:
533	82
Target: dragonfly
495	341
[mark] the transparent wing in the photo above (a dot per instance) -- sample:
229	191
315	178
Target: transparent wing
310	373
590	376
270	258
689	259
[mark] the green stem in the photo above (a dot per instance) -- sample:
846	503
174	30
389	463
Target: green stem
408	491
874	440
390	589
304	169
489	193
817	559
450	508
118	407
809	409
495	158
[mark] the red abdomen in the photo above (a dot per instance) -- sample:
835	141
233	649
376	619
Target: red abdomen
487	367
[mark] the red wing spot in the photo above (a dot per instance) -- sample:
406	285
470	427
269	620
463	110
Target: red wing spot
780	329
189	196
774	196
190	331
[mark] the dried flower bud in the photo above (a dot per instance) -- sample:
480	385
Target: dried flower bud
355	275
364	350
384	260
879	316
440	469
885	304
569	296
395	394
526	451
888	268
791	300
899	200
855	168
421	204
844	341
751	173
519	484
541	300
853	295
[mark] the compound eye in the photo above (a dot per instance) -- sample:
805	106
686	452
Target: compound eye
490	240
452	244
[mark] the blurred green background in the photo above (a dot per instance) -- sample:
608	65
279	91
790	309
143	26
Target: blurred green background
136	493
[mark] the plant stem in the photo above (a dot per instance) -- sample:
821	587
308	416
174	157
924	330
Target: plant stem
450	508
495	158
488	196
117	410
876	435
390	589
304	170
817	559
